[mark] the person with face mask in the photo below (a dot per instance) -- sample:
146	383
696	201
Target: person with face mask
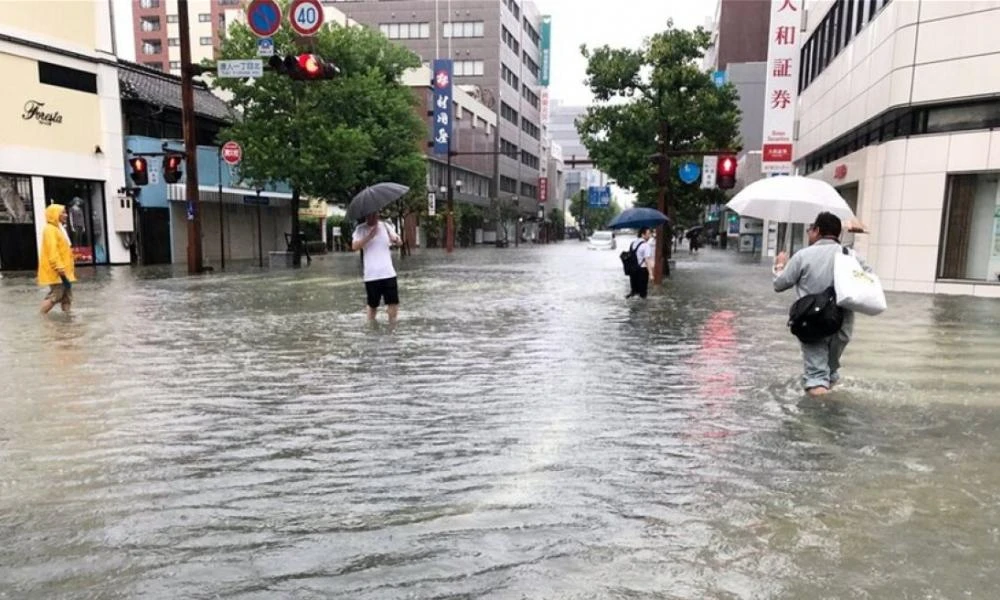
376	238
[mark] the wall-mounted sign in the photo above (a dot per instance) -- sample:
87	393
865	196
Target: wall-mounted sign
33	109
546	50
840	172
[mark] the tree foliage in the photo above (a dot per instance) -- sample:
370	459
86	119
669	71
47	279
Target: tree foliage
636	91
593	218
332	138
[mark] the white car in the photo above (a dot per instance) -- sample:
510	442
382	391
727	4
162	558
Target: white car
602	240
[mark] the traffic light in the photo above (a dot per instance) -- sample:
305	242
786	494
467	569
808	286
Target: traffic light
172	168
725	172
139	175
304	67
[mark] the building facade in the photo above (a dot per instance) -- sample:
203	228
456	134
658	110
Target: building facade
903	123
496	46
61	140
562	130
156	32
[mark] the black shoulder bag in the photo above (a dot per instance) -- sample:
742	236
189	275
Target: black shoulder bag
815	317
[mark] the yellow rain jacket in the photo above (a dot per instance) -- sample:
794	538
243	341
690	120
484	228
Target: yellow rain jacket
57	255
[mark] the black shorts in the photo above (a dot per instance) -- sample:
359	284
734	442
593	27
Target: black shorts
382	289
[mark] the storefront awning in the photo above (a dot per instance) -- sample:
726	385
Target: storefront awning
176	192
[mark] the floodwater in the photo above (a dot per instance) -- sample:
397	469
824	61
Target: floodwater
524	433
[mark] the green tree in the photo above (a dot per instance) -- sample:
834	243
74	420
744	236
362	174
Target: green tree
558	220
655	94
593	218
328	139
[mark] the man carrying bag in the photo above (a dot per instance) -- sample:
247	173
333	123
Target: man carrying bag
823	326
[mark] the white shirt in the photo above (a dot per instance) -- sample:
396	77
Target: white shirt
642	252
378	256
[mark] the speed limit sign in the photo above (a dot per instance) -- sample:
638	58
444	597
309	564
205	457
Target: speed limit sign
306	16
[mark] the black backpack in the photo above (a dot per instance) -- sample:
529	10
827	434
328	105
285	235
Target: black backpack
630	262
815	317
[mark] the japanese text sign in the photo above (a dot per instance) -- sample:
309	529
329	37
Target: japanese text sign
441	130
782	86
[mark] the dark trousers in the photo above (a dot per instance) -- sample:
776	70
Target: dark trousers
639	282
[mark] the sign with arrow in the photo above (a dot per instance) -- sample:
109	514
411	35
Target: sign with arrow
689	172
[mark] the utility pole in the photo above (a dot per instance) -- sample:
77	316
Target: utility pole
194	257
449	239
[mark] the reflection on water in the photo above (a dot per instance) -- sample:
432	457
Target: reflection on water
524	433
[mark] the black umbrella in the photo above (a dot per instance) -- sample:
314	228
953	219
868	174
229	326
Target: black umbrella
374	198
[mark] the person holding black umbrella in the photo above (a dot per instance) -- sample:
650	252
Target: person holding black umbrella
639	278
375	238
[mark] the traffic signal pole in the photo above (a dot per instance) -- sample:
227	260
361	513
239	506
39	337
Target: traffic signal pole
194	256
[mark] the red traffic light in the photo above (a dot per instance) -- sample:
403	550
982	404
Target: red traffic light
309	65
304	67
172	168
725	172
139	175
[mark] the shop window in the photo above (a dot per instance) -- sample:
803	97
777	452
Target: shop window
970	241
15	199
84	202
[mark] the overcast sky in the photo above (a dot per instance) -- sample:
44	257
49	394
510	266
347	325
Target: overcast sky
574	22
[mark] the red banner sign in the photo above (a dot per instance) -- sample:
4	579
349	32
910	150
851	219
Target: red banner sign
543	189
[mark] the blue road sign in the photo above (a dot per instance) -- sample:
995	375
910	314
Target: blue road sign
689	172
264	17
598	196
265	47
719	77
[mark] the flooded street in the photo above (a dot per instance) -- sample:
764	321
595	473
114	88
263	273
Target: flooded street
524	433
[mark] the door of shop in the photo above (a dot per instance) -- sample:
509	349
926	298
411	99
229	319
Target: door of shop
154	235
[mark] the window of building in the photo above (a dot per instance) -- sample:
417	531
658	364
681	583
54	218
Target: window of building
532	33
148	24
468	68
844	20
65	77
508	38
508	113
508	184
175	65
970	241
528	190
18	206
205	41
530	96
173	41
405	31
151	47
514	8
508	76
508	149
529	160
531	129
149	3
531	64
204	18
463	29
84	202
173	19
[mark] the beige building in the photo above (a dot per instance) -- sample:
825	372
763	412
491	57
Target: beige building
156	31
60	114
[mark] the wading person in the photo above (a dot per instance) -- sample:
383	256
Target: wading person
375	239
55	265
810	271
639	278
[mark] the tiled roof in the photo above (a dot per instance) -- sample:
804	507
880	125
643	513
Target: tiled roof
162	89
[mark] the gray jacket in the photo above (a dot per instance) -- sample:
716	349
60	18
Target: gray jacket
810	271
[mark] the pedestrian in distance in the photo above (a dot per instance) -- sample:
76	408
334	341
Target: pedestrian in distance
639	276
55	265
375	238
811	272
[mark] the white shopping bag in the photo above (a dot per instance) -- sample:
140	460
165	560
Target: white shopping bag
857	289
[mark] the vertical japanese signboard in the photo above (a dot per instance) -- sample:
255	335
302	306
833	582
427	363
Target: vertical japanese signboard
782	86
546	45
442	105
543	189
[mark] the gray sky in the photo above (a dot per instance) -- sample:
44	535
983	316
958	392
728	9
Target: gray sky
574	22
619	23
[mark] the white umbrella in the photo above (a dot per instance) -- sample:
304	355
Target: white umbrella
789	199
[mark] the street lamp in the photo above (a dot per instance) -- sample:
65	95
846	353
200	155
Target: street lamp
517	223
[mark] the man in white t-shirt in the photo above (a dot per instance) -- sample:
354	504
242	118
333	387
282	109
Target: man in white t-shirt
376	238
639	281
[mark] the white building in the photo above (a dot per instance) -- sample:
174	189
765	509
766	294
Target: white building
898	103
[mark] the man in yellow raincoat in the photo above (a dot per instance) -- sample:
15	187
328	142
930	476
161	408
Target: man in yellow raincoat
55	266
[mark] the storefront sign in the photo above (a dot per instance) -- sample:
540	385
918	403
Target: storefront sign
443	68
546	35
782	86
543	189
33	109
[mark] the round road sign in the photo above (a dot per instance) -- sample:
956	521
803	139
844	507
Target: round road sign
264	17
306	16
232	153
